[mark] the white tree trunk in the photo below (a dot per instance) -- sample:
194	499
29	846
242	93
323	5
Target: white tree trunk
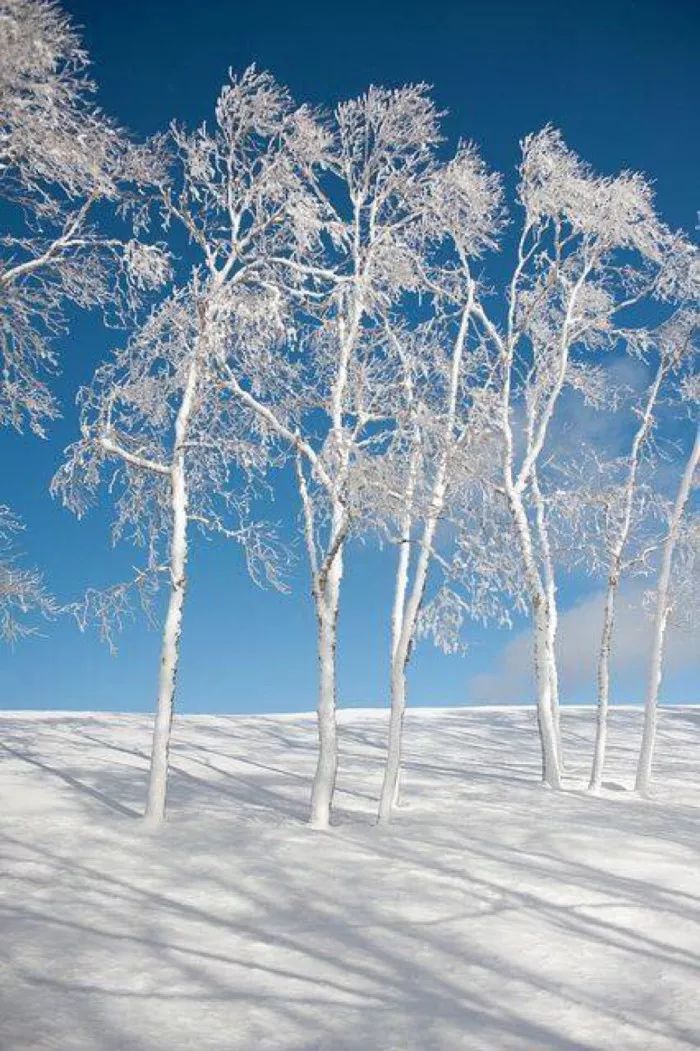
552	612
405	613
551	774
327	590
399	654
646	752
170	649
601	736
327	761
399	658
158	775
616	567
157	783
554	681
543	652
404	630
392	769
327	595
540	599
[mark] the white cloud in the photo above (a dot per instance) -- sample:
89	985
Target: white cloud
579	634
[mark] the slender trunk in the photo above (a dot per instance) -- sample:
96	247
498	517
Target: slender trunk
158	774
646	752
327	593
551	774
392	769
543	602
536	436
327	586
327	761
616	566
401	641
401	652
405	614
399	657
552	613
543	655
554	685
601	736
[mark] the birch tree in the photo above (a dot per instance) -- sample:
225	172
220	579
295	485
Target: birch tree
590	248
384	156
173	453
244	193
438	535
622	507
440	422
366	185
664	592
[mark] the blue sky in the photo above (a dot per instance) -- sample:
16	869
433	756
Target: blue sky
619	79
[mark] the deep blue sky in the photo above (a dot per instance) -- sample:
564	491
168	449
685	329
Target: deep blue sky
620	80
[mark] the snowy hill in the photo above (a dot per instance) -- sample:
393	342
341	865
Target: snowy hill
492	915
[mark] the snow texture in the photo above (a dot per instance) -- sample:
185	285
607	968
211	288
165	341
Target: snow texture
491	915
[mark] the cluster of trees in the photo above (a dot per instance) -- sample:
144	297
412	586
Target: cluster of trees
308	290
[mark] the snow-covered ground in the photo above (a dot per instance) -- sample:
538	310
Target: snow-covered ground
492	915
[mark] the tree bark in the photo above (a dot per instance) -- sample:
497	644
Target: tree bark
551	774
327	596
646	752
554	684
392	769
404	629
601	737
550	588
543	652
170	648
405	613
616	568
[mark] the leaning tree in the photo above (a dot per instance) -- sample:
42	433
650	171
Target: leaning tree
171	453
441	413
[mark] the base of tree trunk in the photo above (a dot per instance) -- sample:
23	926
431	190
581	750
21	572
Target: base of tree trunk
152	821
318	824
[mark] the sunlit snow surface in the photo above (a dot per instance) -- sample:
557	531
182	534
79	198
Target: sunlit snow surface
493	914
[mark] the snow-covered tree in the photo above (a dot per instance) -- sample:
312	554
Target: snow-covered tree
365	216
620	508
442	419
590	249
172	452
235	193
384	160
244	192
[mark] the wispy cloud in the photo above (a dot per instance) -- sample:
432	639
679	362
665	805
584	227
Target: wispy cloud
579	632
